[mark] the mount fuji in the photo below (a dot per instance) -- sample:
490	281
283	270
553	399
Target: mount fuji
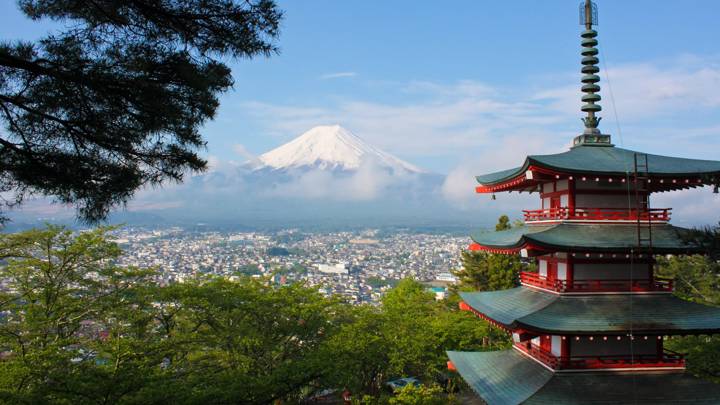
327	176
331	148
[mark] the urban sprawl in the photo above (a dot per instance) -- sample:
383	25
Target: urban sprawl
359	266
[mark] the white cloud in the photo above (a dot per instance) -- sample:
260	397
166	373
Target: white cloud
337	75
644	90
486	128
242	151
450	119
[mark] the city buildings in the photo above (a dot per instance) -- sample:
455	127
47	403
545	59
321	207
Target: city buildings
358	266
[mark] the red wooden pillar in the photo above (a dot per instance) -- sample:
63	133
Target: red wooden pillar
571	197
565	351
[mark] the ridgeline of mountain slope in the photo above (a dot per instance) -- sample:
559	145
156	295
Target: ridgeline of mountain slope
331	147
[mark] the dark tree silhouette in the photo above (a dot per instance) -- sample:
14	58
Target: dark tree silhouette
115	101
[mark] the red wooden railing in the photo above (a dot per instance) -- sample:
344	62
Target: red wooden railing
613	285
668	358
598	214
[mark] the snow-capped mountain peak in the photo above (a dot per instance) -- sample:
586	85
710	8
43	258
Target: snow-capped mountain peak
331	147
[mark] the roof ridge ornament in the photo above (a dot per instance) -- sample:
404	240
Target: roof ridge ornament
592	135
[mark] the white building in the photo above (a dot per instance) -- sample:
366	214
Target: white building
339	268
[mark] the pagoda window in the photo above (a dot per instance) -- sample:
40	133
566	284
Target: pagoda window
619	201
557	346
562	271
611	271
553	267
542	267
613	347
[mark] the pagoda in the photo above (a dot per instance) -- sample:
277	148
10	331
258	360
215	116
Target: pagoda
590	326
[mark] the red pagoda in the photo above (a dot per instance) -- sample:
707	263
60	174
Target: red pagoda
589	327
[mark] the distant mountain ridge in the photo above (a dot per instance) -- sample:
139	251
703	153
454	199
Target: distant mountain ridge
331	148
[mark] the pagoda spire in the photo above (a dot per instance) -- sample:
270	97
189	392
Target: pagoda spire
590	78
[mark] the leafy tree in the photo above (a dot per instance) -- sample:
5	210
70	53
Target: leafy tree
708	238
360	351
483	271
408	335
697	279
115	101
503	223
77	328
420	395
278	251
248	270
249	341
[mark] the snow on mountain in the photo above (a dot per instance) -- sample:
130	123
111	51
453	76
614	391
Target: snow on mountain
331	147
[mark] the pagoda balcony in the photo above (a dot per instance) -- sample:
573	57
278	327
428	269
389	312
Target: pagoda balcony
596	286
668	359
659	215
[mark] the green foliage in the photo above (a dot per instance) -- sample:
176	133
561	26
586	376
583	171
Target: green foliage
249	270
75	323
703	354
278	251
708	238
696	277
78	329
483	271
248	342
407	336
114	100
377	282
503	223
419	395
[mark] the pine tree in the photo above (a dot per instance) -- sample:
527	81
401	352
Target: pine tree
483	271
116	100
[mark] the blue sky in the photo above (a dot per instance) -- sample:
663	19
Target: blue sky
469	86
336	55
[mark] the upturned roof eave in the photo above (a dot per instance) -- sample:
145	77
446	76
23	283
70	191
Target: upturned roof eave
545	313
510	175
533	241
509	377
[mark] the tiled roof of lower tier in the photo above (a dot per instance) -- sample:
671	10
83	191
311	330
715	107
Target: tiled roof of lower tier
535	310
585	238
606	160
509	378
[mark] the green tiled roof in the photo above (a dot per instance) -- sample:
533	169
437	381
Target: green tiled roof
509	378
531	309
606	161
505	377
626	388
585	238
506	306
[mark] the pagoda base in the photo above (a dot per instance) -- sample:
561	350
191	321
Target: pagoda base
509	377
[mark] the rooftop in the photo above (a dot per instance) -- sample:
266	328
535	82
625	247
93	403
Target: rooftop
582	238
604	161
509	377
542	312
